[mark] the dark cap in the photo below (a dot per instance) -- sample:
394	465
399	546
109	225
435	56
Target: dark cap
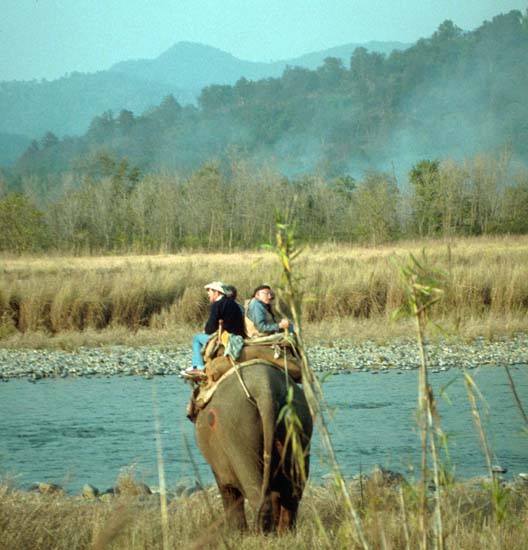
261	287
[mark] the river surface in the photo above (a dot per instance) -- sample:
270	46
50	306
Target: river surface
74	431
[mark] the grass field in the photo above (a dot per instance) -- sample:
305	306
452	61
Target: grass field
349	291
388	519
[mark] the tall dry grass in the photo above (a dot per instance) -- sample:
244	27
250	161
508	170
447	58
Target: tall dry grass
129	522
390	517
487	283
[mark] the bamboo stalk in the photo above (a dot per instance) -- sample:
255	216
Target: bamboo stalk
404	521
161	471
312	388
515	395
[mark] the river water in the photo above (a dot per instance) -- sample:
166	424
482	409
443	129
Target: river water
74	431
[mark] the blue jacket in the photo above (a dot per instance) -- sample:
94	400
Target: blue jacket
262	318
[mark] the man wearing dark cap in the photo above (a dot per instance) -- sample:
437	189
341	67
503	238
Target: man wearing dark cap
260	317
222	309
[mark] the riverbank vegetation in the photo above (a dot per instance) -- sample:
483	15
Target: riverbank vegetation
110	208
349	292
389	517
388	511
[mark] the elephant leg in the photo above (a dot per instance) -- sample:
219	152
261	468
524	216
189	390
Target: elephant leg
265	519
275	507
234	507
250	479
288	513
252	484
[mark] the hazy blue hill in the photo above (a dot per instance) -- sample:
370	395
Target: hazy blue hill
194	66
315	59
452	95
11	146
67	105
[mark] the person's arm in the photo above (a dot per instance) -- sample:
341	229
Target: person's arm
257	314
214	316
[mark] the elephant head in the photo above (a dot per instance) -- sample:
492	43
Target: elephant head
244	438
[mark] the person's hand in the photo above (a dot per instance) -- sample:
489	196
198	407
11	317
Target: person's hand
284	323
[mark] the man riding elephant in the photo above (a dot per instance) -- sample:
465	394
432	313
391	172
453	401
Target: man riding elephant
260	319
222	309
241	427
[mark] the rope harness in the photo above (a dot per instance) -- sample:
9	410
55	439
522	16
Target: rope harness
249	397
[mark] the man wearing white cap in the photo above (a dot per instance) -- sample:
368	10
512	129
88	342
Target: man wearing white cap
222	309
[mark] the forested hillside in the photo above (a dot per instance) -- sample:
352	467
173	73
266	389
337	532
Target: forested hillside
451	95
67	105
430	141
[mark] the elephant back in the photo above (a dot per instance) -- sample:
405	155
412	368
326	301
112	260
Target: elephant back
277	349
255	385
222	369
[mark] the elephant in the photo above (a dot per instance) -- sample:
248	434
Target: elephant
244	439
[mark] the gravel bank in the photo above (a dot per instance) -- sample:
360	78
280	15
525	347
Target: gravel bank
342	357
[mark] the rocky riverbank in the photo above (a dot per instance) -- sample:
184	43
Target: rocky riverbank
379	476
342	357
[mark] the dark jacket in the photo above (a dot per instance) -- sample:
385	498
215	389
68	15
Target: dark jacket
228	311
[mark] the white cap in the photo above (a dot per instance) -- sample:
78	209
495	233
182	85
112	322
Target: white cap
216	285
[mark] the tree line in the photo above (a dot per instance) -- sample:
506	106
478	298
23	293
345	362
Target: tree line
110	207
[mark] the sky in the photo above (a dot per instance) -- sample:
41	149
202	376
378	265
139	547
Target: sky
50	38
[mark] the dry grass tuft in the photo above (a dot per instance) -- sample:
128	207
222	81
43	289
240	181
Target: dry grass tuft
356	288
127	522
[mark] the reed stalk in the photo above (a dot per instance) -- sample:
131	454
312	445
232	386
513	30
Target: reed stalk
405	521
290	293
161	471
422	286
497	493
516	395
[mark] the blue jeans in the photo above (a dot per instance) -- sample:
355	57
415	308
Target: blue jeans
198	340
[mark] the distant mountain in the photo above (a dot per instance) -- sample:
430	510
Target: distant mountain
66	106
450	96
315	59
194	66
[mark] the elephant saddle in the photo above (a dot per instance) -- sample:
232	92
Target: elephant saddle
204	392
222	353
276	350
